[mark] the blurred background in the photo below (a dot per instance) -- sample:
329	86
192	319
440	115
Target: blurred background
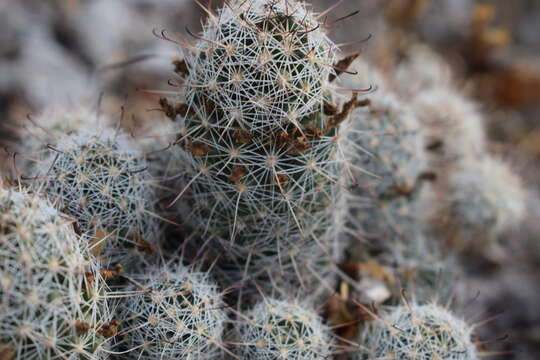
102	53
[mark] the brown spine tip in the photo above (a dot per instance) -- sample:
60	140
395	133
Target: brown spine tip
342	65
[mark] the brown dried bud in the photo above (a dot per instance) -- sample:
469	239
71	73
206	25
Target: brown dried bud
330	109
81	327
337	119
7	353
300	145
282	180
282	138
237	173
110	273
242	136
342	65
168	109
313	132
90	277
142	245
180	67
198	148
109	330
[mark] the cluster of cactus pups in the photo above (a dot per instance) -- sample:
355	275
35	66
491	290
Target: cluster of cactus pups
283	172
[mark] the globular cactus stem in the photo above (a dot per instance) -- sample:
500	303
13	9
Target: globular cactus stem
173	313
53	299
100	178
276	329
418	332
259	141
385	146
479	200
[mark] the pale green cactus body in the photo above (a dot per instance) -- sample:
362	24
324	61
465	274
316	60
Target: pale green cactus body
260	147
259	131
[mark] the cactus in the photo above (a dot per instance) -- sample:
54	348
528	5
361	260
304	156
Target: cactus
454	126
385	146
173	313
421	70
386	150
50	127
418	332
99	178
259	143
53	300
480	200
276	329
260	152
260	66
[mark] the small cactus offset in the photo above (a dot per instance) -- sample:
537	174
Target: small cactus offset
418	332
50	127
172	313
100	179
53	300
454	126
276	329
480	200
386	146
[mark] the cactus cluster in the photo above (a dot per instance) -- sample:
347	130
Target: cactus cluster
276	174
172	313
276	329
100	178
53	298
418	332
